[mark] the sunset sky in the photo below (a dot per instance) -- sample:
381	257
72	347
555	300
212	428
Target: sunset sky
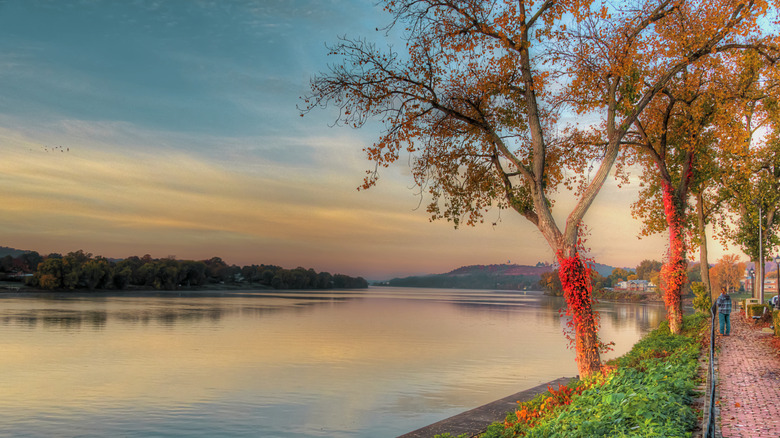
171	128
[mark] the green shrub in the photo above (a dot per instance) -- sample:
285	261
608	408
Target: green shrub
702	301
649	394
542	406
757	309
651	399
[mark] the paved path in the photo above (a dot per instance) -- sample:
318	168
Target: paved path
748	381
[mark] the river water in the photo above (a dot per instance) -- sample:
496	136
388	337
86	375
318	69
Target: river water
372	363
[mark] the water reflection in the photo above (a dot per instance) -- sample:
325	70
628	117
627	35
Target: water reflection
623	315
57	319
376	363
77	312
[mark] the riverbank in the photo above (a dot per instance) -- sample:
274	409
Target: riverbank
630	296
18	289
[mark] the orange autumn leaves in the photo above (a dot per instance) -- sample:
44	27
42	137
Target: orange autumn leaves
477	94
530	416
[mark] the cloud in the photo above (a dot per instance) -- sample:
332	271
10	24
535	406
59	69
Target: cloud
289	200
146	188
182	136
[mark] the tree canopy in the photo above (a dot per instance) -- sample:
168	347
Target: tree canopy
80	270
477	95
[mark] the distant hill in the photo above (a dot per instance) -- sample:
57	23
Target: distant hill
537	269
606	270
13	252
511	270
504	277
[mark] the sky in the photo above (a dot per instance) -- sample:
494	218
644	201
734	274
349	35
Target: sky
172	128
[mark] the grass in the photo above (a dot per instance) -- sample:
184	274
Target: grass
647	392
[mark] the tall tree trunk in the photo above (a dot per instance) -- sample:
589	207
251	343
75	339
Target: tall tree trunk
770	220
576	282
704	265
674	272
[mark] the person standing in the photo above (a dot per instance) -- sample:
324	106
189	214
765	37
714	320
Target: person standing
724	311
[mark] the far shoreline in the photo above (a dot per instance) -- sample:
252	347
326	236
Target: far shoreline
219	290
194	291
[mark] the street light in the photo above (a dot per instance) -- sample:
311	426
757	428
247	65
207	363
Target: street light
751	275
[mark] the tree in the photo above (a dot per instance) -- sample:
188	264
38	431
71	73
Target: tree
694	273
707	206
167	274
50	273
121	276
217	270
250	273
746	92
702	300
670	136
96	273
72	265
675	141
324	280
474	101
193	273
550	282
727	272
618	275
145	274
30	260
646	268
597	281
6	263
752	137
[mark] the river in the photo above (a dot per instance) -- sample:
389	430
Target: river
368	363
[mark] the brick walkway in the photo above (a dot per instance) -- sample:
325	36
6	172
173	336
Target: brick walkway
749	381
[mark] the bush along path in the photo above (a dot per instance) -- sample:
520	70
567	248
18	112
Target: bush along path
648	392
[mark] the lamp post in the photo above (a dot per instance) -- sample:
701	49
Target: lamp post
751	275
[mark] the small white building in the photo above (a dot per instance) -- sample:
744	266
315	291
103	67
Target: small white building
635	286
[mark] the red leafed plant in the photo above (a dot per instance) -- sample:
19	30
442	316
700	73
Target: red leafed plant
528	414
673	273
583	325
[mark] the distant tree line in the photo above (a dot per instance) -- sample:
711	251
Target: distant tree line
646	270
80	270
726	272
470	281
23	263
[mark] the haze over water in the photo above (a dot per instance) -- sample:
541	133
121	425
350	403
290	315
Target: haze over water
380	362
